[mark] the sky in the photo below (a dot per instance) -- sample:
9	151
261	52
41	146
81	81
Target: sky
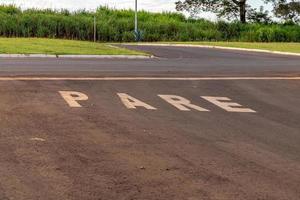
150	5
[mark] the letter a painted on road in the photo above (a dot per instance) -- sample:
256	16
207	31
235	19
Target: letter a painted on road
71	97
131	102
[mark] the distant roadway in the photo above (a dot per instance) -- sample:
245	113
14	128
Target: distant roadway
189	124
170	61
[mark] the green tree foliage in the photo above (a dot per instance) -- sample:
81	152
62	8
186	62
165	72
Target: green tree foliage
286	10
118	25
259	16
223	8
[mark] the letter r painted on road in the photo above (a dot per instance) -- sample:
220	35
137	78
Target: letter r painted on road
226	104
72	98
131	102
181	103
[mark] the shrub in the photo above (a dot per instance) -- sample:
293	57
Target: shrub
118	25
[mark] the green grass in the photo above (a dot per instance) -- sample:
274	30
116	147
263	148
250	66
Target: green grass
73	47
284	47
59	47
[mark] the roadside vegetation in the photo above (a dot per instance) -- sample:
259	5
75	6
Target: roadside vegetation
117	26
59	47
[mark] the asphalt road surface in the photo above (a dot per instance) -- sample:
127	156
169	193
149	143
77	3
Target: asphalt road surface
212	125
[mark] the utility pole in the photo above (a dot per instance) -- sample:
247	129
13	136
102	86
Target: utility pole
136	31
95	29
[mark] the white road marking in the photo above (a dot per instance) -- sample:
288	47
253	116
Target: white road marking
226	104
131	102
71	97
142	78
181	103
38	139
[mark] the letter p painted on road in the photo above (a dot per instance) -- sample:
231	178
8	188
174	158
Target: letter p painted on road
72	98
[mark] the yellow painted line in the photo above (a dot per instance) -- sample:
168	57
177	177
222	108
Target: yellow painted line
141	78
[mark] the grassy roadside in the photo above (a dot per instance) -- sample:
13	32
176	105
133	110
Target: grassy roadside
74	47
59	47
283	47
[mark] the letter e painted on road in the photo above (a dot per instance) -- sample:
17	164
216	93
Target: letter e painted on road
181	103
72	98
226	104
131	102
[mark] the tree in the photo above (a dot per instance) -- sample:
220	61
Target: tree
259	16
223	8
286	10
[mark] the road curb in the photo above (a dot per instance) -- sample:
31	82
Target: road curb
220	47
27	56
74	56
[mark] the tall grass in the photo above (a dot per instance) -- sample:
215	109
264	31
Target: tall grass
117	26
